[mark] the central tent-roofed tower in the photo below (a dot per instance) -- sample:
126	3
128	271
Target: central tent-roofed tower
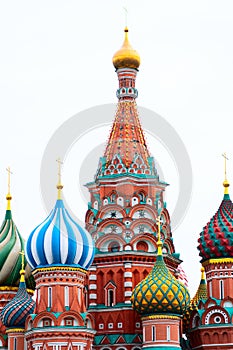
126	198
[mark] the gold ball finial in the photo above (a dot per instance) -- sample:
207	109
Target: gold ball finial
126	57
59	184
8	196
226	183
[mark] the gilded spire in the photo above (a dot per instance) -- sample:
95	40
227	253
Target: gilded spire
22	271
8	196
59	184
226	184
159	242
201	292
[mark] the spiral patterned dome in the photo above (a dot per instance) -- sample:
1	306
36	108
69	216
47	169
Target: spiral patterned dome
14	314
11	244
126	57
59	240
160	292
216	238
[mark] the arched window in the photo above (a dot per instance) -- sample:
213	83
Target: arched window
114	247
141	196
46	322
168	333
67	296
110	293
113	197
110	297
50	297
153	335
15	344
120	201
142	246
221	289
134	201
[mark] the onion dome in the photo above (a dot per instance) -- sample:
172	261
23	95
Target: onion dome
126	57
160	292
14	314
59	240
201	293
11	244
216	238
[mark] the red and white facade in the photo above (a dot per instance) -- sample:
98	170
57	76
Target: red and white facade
60	320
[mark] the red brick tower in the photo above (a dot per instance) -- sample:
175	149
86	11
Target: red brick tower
161	300
59	251
211	325
126	197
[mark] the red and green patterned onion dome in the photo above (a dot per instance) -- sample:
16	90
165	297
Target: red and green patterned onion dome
160	293
11	244
216	239
14	314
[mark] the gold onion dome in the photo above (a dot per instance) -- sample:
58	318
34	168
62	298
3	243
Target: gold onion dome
126	57
160	292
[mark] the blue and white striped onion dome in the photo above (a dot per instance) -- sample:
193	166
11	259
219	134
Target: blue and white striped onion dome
59	240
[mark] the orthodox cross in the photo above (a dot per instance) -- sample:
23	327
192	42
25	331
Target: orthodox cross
159	222
22	254
126	16
225	164
59	169
9	178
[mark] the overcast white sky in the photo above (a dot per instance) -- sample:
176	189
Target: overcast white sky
55	61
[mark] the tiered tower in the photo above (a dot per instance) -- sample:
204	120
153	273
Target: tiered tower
161	300
211	325
126	197
11	244
60	252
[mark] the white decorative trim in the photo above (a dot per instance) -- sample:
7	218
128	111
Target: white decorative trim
128	293
128	265
128	284
92	278
92	286
92	268
93	296
127	274
211	312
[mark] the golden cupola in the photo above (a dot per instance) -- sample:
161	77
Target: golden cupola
126	56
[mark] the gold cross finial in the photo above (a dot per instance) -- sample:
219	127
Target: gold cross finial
59	184
126	16
225	182
159	242
22	271
8	196
225	164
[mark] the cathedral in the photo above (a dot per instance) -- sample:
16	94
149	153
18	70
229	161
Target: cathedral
117	283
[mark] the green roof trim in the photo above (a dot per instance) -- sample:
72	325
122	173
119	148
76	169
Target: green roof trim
129	338
98	339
